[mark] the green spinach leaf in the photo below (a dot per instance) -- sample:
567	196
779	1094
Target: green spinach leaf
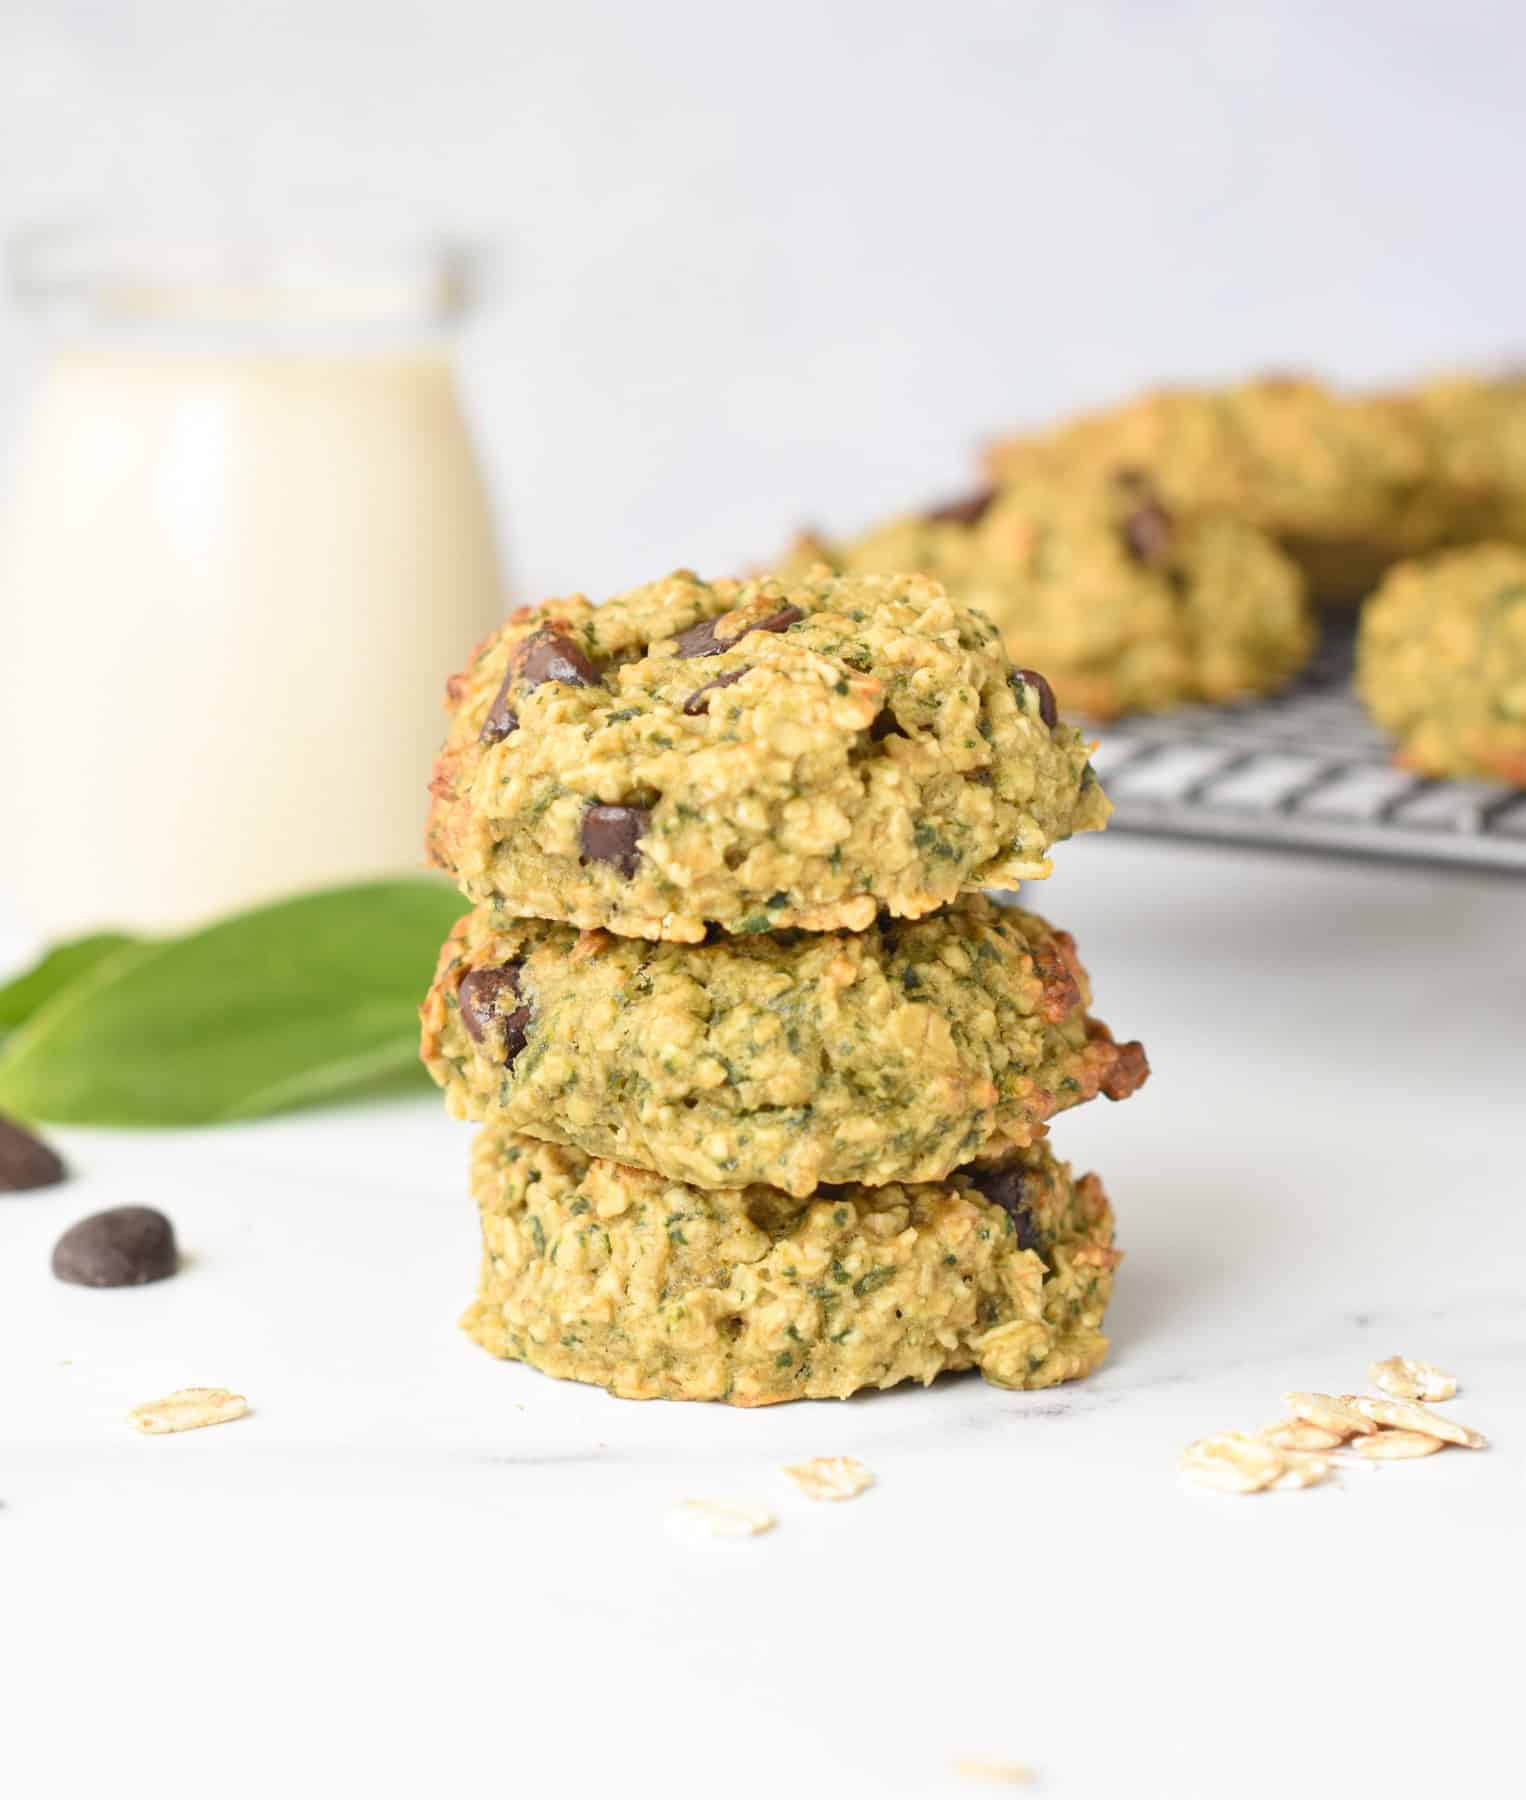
305	1000
63	964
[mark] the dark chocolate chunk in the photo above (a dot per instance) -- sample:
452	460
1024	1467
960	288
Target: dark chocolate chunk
699	701
25	1161
612	834
1004	1188
482	994
121	1248
700	640
1149	531
885	725
546	655
550	655
1048	711
969	510
501	718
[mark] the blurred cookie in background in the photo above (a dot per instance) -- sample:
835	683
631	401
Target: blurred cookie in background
1347	484
1125	603
1441	662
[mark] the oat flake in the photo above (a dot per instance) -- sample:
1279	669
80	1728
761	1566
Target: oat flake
710	1518
1387	1446
1403	1378
188	1409
830	1477
1409	1415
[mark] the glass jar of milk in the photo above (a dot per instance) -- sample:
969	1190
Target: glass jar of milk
246	541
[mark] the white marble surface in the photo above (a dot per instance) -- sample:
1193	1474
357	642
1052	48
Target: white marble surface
412	1570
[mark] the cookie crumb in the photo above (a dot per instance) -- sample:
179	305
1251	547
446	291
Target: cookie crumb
1405	1378
830	1477
188	1409
710	1518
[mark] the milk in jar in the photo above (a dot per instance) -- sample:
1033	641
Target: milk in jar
235	572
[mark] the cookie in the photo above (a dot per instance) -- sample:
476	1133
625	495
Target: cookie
755	756
1478	428
1441	662
892	1054
1124	604
653	1289
1345	483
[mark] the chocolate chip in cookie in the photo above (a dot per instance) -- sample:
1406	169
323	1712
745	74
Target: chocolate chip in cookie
968	510
612	834
1049	712
482	995
546	655
699	701
701	639
1004	1188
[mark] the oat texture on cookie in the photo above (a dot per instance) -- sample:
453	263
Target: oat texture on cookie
1441	662
751	756
763	1083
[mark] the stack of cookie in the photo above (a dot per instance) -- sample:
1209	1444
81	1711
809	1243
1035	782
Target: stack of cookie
764	1078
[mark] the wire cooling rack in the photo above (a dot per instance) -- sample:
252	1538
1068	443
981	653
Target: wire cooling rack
1304	770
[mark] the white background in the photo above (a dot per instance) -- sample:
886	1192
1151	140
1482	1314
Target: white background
413	1571
764	263
770	263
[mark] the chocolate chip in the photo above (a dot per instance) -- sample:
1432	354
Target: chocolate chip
885	725
967	511
699	701
1048	711
1004	1188
501	719
1149	531
25	1161
611	834
546	655
550	655
481	995
121	1248
700	640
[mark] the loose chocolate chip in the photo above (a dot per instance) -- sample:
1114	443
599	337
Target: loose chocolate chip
700	640
482	995
1004	1188
546	655
885	725
611	834
969	510
1048	711
699	701
121	1248
25	1161
1149	532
